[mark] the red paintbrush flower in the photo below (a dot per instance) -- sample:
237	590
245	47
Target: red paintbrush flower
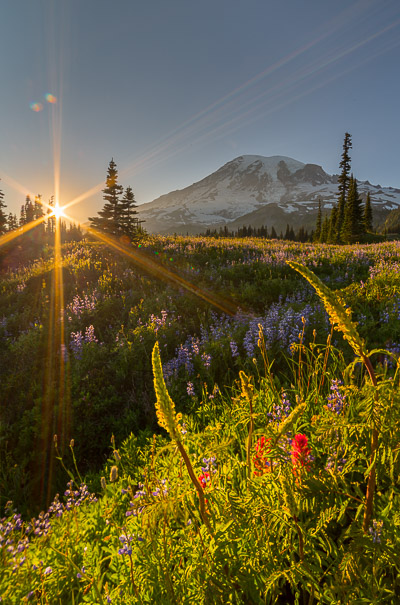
261	463
204	479
301	453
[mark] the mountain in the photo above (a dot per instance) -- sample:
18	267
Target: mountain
255	190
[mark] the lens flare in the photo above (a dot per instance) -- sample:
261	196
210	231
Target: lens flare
36	107
50	98
58	211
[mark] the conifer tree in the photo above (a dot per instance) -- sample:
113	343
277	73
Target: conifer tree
368	214
353	222
324	231
109	219
273	233
332	233
318	226
128	218
344	180
12	222
22	217
38	212
29	210
51	221
3	218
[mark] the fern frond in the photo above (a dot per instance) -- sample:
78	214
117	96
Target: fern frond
165	407
335	307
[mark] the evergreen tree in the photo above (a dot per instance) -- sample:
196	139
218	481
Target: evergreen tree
29	210
332	233
22	217
109	219
128	219
38	212
368	214
12	222
318	225
273	233
324	231
353	222
3	218
343	180
51	221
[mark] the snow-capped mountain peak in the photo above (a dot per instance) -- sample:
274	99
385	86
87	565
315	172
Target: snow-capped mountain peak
252	189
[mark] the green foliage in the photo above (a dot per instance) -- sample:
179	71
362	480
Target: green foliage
278	530
276	537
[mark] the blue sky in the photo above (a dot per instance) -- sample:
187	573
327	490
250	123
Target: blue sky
174	89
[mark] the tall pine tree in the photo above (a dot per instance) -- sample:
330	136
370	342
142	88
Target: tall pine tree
109	219
368	214
318	226
344	181
3	217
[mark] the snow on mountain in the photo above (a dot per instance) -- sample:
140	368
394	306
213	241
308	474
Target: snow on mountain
255	190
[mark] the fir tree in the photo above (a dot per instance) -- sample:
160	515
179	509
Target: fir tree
3	218
318	226
22	217
332	233
343	180
51	221
29	210
12	222
109	219
38	212
324	231
353	222
128	218
368	214
273	233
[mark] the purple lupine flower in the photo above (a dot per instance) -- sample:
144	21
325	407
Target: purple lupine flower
234	348
280	411
337	398
80	574
89	335
209	465
190	389
76	344
376	531
206	359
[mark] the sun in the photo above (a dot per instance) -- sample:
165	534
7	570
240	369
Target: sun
58	211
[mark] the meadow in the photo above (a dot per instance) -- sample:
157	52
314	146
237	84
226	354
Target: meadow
204	421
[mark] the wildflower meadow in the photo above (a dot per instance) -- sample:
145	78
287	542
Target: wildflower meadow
204	421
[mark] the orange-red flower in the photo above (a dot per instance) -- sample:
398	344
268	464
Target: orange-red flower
260	461
301	453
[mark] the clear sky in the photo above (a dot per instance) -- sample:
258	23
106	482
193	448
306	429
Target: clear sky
173	89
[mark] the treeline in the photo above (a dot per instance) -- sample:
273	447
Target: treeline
301	235
36	211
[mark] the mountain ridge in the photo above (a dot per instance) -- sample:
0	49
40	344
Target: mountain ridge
256	190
